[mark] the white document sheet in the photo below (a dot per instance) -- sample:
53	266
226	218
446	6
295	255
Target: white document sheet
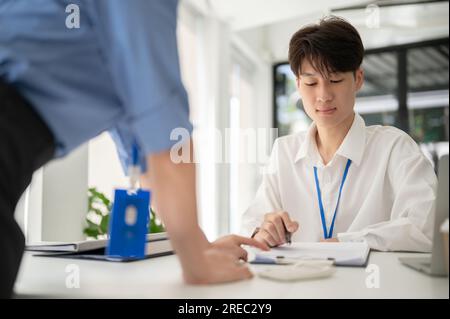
344	254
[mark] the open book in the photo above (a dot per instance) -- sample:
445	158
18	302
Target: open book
343	254
158	244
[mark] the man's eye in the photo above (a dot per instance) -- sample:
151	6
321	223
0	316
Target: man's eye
335	81
310	84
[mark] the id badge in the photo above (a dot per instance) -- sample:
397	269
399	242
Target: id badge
128	225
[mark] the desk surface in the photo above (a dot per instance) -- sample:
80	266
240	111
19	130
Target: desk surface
161	278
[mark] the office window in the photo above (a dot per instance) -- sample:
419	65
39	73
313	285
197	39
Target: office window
289	116
377	101
191	47
242	139
428	83
189	52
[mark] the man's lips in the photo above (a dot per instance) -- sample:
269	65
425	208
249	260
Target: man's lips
326	110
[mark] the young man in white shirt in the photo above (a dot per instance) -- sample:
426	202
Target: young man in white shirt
341	180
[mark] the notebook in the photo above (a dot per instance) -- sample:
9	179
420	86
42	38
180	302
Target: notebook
158	244
343	254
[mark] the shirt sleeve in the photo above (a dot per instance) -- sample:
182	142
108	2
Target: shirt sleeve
267	197
139	45
414	185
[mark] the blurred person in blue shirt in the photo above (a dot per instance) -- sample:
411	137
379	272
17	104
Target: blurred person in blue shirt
118	71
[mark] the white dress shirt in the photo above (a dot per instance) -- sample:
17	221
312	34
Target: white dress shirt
387	199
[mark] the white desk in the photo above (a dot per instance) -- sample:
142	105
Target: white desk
161	278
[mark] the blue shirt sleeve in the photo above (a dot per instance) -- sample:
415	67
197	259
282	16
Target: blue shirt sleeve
139	45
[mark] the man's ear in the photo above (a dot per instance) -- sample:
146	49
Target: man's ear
297	81
359	78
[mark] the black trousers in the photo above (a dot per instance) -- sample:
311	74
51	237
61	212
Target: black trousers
26	144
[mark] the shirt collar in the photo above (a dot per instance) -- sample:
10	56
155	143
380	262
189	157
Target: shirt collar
352	146
308	147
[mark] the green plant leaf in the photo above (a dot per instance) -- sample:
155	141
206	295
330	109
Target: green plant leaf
104	224
97	211
101	197
100	205
90	232
91	224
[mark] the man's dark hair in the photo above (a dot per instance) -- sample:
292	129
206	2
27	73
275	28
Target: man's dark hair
332	45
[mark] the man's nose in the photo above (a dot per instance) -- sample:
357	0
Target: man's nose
324	94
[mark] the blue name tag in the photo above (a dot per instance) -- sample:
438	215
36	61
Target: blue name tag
128	225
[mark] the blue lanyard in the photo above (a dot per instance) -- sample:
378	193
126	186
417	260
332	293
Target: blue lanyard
319	195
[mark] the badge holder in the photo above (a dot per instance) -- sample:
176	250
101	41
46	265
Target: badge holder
129	218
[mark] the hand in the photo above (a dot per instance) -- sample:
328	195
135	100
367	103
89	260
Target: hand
200	261
273	229
329	240
218	266
232	244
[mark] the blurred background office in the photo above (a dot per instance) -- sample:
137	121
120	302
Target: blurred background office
233	57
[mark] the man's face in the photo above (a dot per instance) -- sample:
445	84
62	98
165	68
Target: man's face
328	102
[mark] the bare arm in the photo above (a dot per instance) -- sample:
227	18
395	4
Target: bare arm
173	192
173	188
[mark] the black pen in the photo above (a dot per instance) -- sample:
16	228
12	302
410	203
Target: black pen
287	235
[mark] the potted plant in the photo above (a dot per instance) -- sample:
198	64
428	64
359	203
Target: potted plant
97	218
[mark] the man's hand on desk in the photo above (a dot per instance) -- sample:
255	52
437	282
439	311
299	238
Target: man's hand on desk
218	266
202	262
274	229
222	261
232	244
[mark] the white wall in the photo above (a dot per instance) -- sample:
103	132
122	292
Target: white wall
54	206
247	14
104	169
64	197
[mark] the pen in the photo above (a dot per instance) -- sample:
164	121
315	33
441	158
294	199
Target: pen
288	235
278	260
282	260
